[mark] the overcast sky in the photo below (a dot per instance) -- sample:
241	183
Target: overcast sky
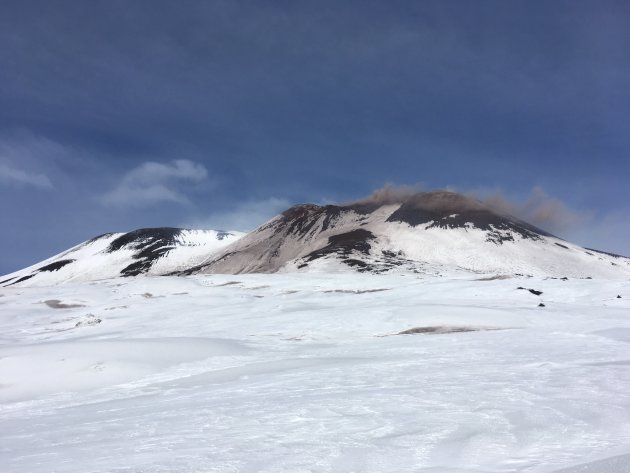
116	115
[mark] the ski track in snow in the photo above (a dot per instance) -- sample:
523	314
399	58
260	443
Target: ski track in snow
304	373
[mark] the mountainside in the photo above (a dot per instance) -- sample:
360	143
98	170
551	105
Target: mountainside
430	233
433	233
151	251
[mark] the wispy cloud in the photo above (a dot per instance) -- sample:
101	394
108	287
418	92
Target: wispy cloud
28	160
245	217
13	176
152	183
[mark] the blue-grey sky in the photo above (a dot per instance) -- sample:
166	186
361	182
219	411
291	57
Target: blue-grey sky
121	114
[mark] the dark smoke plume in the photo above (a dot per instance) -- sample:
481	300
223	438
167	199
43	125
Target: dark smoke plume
538	209
389	194
541	210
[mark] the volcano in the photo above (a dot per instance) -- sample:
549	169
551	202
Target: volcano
428	233
431	233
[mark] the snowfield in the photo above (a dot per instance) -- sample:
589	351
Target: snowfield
308	373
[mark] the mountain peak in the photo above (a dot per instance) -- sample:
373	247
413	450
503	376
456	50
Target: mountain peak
431	233
422	232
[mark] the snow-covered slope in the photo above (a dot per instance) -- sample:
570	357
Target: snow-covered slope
430	233
151	251
270	373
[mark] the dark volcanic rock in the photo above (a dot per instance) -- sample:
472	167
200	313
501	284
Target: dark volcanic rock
533	291
344	244
145	237
56	266
153	243
23	278
301	219
96	238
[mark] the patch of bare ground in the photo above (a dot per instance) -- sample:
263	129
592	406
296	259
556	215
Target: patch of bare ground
148	295
229	283
495	278
355	291
443	329
57	304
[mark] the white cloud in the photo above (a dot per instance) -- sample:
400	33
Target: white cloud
153	183
10	175
27	160
245	217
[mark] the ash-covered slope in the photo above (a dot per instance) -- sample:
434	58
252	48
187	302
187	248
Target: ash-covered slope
152	251
430	232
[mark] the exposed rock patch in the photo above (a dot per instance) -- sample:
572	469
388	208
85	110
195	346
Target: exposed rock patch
533	291
56	266
57	304
443	329
357	291
344	244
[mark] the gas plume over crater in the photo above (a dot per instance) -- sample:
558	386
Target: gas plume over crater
388	194
538	207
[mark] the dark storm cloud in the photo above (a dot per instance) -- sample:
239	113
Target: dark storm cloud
300	101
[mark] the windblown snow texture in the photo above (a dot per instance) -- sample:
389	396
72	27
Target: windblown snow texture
320	372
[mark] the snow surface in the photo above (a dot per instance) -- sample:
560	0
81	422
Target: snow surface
306	373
